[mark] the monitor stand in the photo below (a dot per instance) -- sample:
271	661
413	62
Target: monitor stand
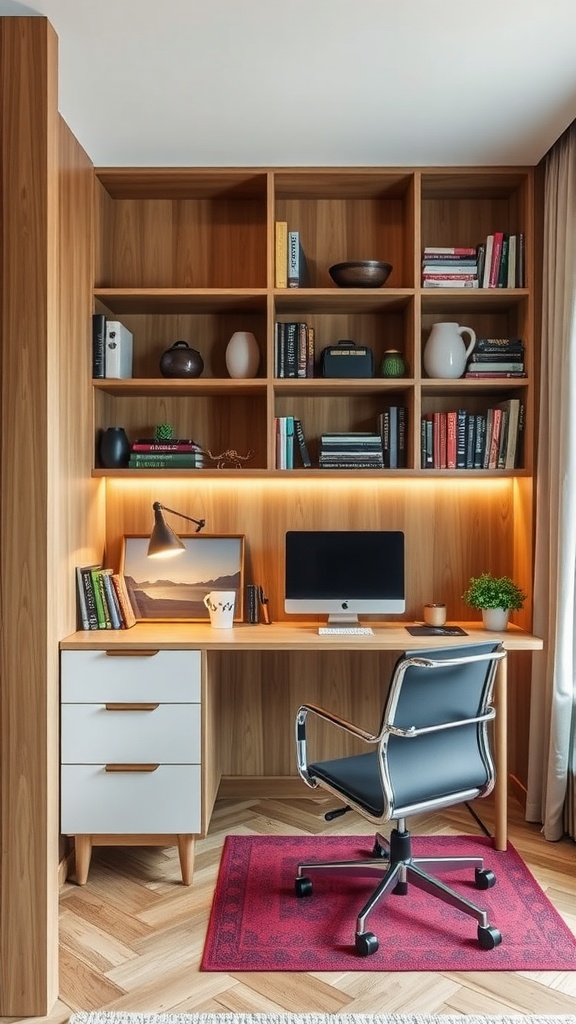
343	619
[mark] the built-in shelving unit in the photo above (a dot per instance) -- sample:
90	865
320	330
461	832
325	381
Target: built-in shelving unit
189	254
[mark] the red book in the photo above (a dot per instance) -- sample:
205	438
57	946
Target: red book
496	257
451	430
165	446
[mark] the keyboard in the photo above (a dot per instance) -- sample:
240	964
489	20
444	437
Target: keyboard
345	631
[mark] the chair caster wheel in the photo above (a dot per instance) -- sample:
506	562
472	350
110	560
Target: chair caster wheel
484	879
366	943
303	886
488	938
379	851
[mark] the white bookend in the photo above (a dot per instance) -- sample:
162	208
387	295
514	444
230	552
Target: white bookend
118	353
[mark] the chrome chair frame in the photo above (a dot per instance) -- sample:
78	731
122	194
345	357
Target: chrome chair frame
401	867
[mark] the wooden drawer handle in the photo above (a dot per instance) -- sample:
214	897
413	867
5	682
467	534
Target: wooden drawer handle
131	654
131	707
131	767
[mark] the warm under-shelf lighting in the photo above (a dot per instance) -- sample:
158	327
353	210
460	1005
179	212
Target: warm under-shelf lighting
163	541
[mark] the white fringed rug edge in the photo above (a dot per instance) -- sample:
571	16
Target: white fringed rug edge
309	1018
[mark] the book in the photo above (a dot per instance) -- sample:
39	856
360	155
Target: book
178	458
297	265
451	432
98	345
493	443
478	374
481	260
451	284
503	268
495	259
101	608
486	366
281	254
520	261
302	446
449	277
185	462
128	616
511	278
118	353
512	407
499	345
111	599
455	266
500	356
169	447
443	250
86	599
461	430
487	260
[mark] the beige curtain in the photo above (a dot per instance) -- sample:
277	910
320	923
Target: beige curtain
552	761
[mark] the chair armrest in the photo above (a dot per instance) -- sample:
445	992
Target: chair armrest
326	716
412	732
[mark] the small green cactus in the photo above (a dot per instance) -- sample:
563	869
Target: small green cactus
164	431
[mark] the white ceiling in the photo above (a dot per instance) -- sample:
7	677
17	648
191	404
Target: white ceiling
314	82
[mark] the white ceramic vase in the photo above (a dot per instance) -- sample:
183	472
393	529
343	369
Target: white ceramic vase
495	619
242	355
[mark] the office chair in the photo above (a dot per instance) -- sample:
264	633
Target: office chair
431	751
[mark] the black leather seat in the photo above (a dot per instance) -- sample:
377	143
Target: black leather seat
431	751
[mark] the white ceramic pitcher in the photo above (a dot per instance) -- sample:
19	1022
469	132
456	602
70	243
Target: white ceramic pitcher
445	353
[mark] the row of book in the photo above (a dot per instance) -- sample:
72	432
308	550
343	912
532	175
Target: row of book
112	348
294	344
289	434
291	267
103	599
174	453
459	439
496	357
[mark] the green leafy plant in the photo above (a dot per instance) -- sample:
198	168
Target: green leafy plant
487	591
164	431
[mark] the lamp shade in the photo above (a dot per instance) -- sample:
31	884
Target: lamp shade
163	541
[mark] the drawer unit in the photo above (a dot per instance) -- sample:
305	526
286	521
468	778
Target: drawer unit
131	750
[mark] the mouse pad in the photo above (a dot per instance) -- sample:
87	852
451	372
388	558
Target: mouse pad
436	630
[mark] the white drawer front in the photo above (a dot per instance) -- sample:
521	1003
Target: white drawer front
167	676
163	801
166	733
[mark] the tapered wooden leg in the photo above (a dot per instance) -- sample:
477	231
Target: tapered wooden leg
83	854
186	854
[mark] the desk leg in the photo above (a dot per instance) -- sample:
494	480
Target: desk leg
501	756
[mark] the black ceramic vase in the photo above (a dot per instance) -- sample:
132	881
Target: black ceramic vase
114	449
181	361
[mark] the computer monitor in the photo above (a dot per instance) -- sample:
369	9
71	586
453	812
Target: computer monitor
344	573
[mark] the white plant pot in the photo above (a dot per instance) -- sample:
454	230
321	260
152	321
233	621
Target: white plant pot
495	619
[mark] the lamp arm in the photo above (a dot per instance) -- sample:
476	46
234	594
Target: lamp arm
199	523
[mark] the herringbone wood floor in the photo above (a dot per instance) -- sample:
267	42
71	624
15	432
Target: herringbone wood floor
132	938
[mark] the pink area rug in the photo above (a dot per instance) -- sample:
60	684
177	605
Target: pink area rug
259	924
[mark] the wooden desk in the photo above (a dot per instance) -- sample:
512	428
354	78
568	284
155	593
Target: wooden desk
221	668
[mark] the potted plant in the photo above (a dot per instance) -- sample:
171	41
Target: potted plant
496	596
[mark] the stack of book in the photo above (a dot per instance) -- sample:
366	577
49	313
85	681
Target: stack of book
392	427
103	599
175	453
449	267
458	439
293	349
501	261
496	357
291	267
351	451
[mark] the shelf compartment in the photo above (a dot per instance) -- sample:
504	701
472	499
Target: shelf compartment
207	331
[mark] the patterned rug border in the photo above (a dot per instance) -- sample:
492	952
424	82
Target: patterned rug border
312	1018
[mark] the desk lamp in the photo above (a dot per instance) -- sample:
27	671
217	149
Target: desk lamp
163	541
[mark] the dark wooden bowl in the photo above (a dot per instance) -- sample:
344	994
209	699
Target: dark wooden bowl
360	273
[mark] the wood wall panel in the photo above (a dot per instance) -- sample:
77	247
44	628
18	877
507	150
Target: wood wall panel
28	656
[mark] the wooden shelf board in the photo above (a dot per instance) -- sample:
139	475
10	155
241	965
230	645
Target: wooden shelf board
172	387
182	300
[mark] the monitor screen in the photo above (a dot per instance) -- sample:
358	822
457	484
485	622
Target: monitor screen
344	573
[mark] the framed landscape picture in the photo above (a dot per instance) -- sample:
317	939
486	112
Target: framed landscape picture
173	589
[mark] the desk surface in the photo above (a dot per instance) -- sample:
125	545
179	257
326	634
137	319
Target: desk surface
284	636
